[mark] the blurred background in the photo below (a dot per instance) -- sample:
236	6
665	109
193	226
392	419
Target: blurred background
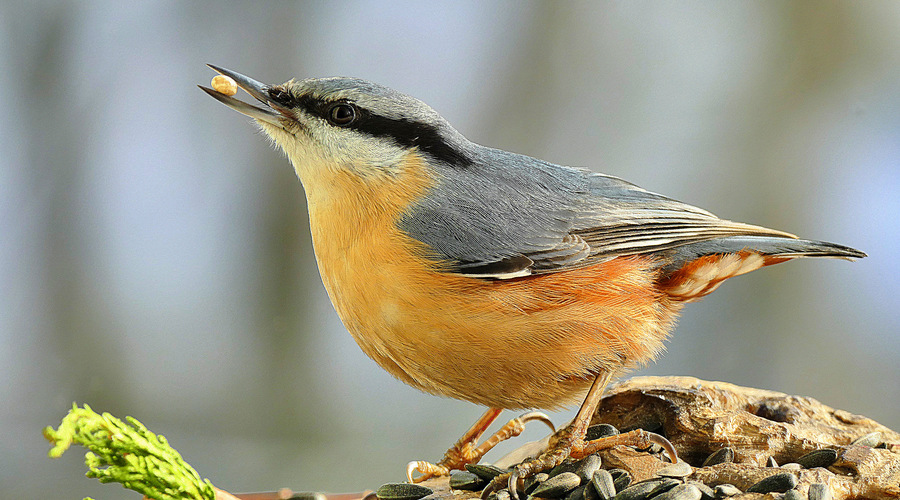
155	258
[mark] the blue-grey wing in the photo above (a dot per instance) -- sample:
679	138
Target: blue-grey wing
508	215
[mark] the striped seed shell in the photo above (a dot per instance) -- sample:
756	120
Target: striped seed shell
402	491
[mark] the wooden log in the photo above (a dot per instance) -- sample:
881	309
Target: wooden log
701	417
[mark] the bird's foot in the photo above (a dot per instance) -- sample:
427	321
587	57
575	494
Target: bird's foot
465	450
567	444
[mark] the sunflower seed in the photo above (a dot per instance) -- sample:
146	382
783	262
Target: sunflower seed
770	462
568	465
532	482
616	473
603	484
680	469
723	455
578	493
621	478
647	489
654	449
485	471
666	485
557	486
590	493
681	492
402	491
705	490
871	440
466	481
600	431
587	467
780	483
726	490
818	458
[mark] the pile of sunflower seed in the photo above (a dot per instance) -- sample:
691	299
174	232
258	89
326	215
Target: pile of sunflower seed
585	480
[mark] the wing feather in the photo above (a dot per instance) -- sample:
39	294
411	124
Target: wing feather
514	215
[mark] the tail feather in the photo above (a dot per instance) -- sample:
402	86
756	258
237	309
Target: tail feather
764	245
692	271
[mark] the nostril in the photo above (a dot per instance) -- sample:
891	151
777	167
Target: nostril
280	96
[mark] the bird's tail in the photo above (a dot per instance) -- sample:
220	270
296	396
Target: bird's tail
694	270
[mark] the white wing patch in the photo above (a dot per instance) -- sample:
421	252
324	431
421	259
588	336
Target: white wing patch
521	273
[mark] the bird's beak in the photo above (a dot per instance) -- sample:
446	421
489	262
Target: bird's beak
256	89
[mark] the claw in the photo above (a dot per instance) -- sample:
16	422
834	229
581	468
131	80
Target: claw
427	469
666	445
508	480
490	488
536	415
410	468
513	485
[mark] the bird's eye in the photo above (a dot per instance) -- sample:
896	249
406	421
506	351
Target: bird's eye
342	114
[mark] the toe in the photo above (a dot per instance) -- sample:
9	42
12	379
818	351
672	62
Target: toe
427	470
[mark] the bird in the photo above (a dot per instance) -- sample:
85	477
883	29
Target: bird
493	277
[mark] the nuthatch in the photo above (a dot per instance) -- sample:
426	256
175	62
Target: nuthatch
490	276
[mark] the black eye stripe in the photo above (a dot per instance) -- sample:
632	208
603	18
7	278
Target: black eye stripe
404	132
312	106
410	134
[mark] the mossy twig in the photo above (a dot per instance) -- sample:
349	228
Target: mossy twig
129	454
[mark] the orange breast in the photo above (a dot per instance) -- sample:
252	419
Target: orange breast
536	341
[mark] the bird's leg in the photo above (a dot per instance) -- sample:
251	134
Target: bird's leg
465	450
569	442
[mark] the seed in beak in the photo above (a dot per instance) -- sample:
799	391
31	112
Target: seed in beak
224	85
